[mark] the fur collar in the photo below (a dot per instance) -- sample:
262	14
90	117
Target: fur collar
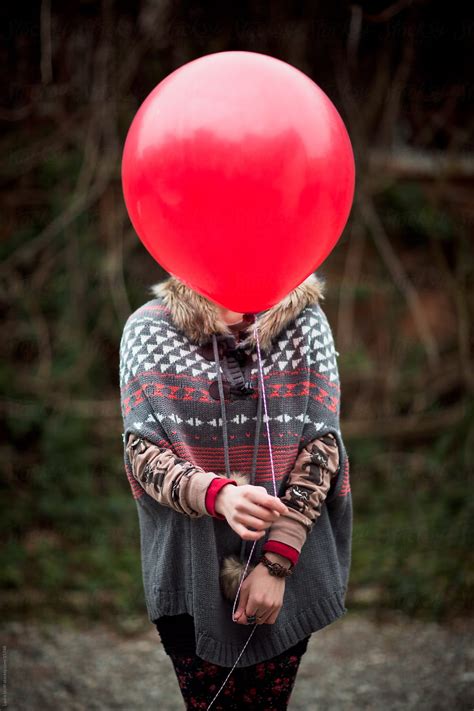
199	318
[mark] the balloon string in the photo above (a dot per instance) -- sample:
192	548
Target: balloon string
262	384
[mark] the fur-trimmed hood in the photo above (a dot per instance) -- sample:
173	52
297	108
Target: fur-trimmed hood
199	318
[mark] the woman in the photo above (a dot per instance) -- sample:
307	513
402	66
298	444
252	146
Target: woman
194	386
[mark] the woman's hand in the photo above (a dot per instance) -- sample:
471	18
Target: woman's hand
249	506
261	594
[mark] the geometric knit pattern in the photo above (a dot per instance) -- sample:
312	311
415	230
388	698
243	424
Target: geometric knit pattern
301	383
151	343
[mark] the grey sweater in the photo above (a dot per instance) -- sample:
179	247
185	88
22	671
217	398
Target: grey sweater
171	395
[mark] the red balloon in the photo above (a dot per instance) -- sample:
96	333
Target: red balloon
238	176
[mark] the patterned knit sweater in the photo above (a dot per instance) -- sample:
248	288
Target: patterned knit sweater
171	397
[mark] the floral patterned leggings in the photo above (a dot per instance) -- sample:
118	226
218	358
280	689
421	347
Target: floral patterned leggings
266	686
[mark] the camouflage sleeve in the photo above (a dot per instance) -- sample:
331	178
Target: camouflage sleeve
305	491
172	481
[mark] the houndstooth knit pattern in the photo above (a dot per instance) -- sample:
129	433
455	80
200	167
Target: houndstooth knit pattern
165	398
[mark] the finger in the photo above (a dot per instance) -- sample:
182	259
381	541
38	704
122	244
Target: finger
252	522
273	617
251	609
243	599
259	496
261	512
248	535
264	616
276	504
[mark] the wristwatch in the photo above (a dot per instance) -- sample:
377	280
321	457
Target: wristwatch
276	569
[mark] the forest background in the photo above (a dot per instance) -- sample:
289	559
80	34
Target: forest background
72	270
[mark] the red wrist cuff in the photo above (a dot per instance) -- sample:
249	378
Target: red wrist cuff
212	490
283	549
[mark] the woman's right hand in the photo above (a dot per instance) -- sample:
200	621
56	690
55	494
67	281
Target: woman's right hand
249	507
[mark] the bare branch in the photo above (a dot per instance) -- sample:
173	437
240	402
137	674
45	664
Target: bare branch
389	12
399	275
405	163
348	287
353	37
389	119
46	50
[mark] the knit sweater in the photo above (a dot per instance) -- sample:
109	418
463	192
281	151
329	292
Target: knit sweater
171	397
188	489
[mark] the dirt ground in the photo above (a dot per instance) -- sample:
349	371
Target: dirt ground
355	663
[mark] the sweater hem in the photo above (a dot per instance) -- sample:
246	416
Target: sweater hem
172	602
317	616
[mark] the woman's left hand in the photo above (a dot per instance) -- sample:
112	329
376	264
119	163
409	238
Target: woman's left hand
261	594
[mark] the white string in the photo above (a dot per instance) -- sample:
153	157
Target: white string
254	543
266	413
236	661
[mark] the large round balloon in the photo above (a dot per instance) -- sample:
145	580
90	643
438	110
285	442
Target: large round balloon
238	176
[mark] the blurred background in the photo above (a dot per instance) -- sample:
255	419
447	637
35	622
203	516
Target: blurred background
399	296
